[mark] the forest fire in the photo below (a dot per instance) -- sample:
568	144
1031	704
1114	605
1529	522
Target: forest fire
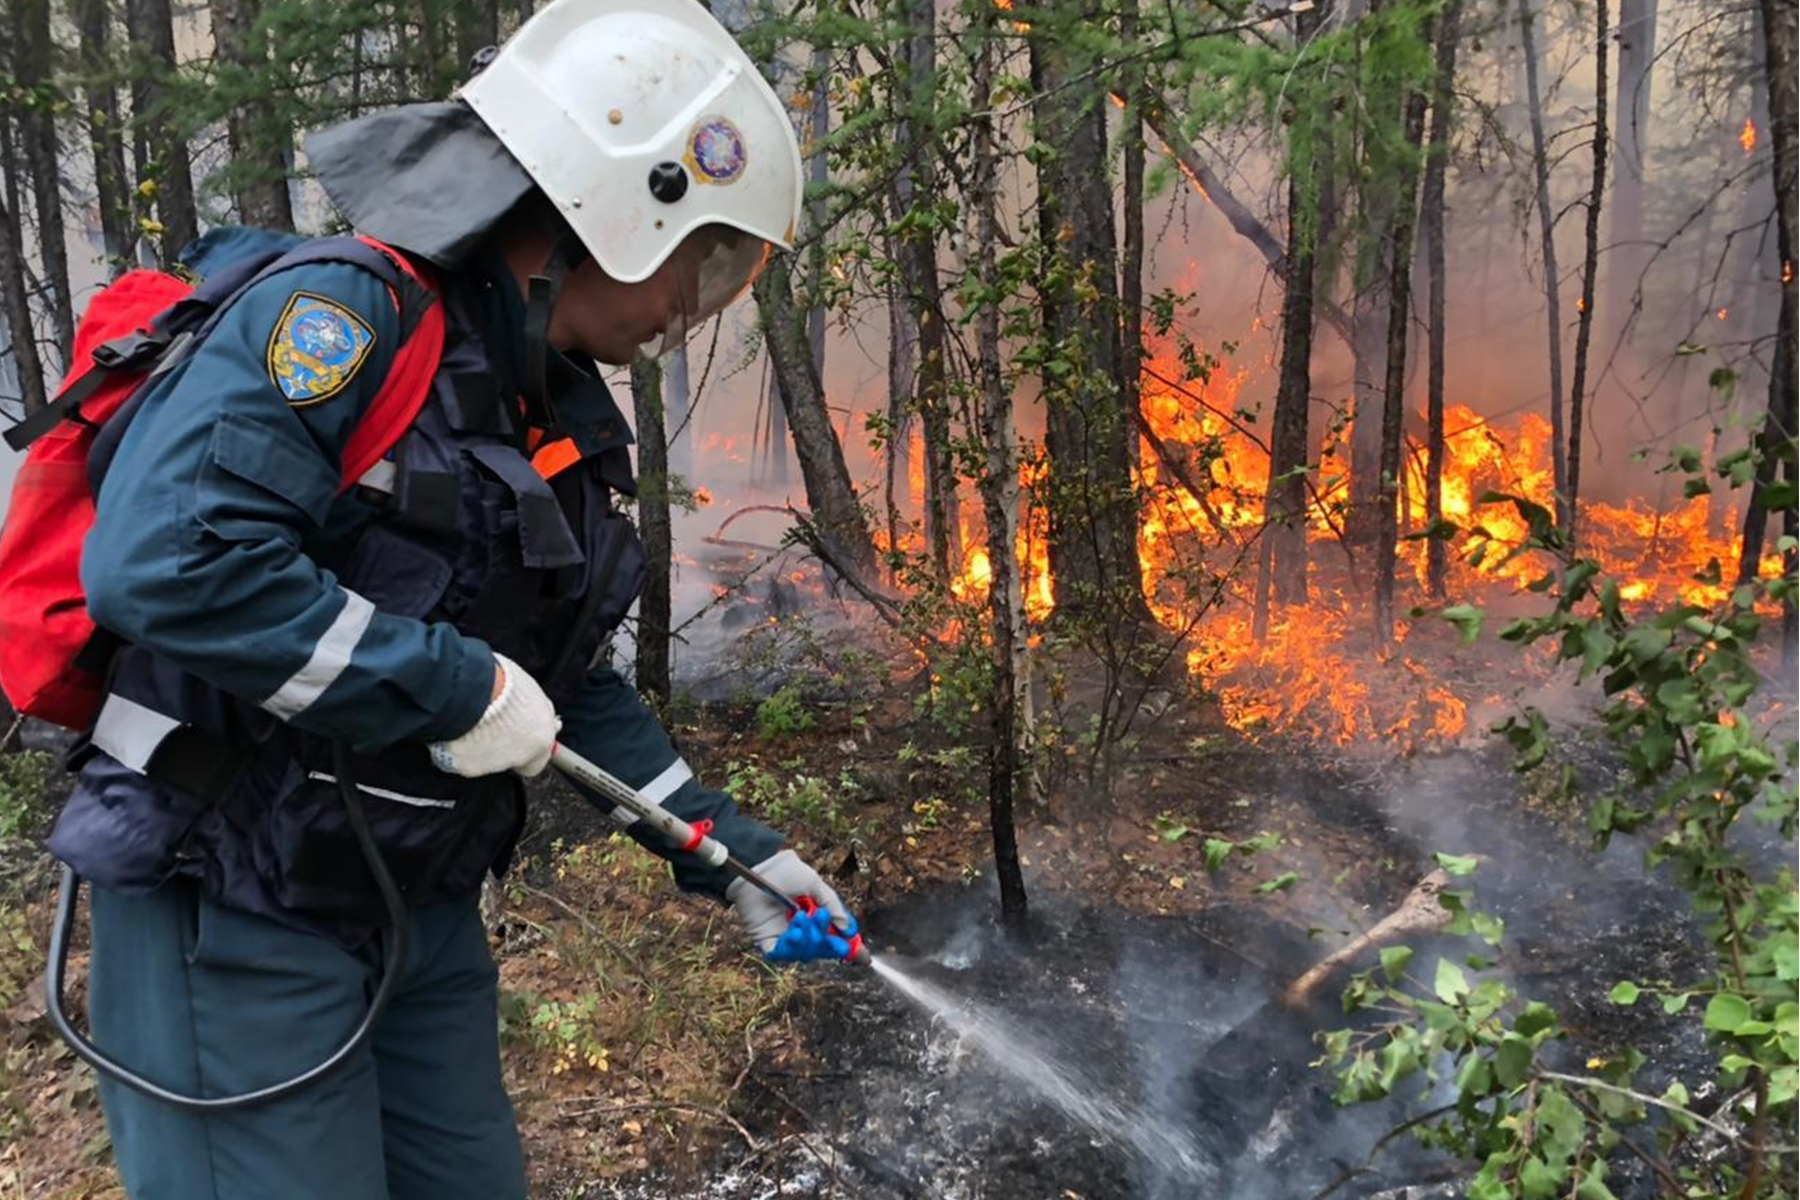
1318	672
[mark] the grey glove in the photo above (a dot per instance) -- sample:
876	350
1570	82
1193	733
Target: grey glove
765	918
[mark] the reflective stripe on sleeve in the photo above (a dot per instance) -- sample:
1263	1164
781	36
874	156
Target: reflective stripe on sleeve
658	789
329	658
130	732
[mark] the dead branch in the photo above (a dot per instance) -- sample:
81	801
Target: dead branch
1179	470
813	538
706	1110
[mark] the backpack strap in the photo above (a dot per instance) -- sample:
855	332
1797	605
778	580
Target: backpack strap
408	381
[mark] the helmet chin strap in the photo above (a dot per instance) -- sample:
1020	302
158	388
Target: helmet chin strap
542	292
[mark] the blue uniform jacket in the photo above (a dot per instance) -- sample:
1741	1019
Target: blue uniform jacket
203	547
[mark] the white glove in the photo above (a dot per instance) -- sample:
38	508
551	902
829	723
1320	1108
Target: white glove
516	733
765	918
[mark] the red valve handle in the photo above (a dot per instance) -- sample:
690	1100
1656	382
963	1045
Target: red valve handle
702	828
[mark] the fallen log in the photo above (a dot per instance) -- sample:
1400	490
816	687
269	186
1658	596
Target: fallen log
1419	912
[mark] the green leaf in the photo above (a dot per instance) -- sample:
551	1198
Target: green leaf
1536	1018
1593	1186
1217	850
1784	1084
1726	1013
1474	1078
1394	960
1467	619
1625	993
1280	883
1538	1180
1512	1058
1451	984
1457	864
1676	1003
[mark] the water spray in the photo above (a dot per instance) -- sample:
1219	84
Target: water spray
696	838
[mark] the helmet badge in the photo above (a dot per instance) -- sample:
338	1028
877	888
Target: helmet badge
716	151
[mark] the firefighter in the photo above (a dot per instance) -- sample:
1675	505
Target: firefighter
611	177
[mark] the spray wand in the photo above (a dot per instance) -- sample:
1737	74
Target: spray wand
695	839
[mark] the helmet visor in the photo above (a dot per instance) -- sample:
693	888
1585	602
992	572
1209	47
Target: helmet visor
713	266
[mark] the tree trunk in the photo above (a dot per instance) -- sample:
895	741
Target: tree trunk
1368	343
162	148
13	292
1092	507
835	508
1242	221
1590	268
653	527
259	151
678	403
1393	409
1437	165
1131	281
774	466
917	247
43	159
1775	441
903	348
1000	508
1281	557
1540	159
105	134
1637	58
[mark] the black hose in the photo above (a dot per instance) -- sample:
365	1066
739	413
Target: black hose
395	953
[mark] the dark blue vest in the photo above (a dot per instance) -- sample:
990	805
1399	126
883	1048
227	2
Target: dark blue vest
457	526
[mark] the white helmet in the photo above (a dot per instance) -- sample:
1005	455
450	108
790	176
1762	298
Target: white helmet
644	122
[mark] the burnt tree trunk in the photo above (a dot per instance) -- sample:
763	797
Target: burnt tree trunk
916	243
14	295
835	509
1000	506
42	156
902	372
653	527
1131	272
1092	508
1368	343
1775	442
1393	421
1540	161
1281	558
1637	58
1590	268
259	152
162	152
112	186
1437	165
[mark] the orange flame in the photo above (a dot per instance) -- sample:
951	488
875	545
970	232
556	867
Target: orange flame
1747	139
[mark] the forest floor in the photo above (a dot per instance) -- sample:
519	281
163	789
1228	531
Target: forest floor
649	1056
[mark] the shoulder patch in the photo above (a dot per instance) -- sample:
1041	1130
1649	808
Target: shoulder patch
316	348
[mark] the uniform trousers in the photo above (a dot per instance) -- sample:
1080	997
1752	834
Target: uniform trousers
208	1001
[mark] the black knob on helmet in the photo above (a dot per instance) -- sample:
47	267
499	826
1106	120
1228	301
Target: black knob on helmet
668	182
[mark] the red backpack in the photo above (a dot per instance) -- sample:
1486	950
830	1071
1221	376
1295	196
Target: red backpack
52	664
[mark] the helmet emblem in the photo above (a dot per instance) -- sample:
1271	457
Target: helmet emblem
716	151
